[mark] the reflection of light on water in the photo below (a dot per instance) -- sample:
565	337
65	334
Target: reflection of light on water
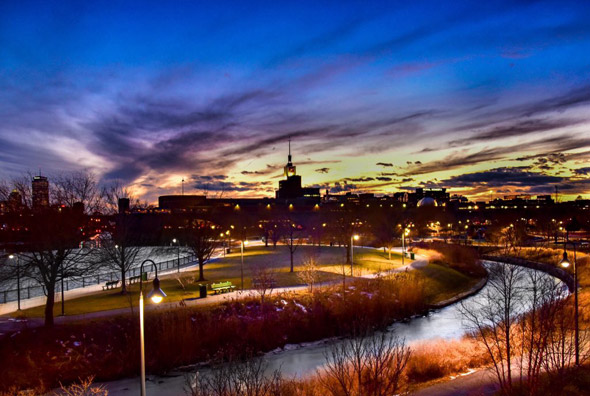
301	360
445	323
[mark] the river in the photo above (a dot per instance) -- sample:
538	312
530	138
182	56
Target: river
302	360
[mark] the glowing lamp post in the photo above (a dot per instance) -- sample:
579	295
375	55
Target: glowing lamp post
177	243
353	238
566	263
404	235
242	244
156	295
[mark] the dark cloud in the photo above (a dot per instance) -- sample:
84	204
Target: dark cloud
582	171
360	179
269	169
383	178
323	170
501	177
385	164
519	128
458	160
342	187
228	186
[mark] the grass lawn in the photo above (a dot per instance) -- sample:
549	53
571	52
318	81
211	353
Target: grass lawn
330	260
443	283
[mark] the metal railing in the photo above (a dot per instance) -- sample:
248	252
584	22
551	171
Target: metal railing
27	292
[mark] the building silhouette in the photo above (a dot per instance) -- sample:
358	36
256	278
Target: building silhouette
290	188
40	186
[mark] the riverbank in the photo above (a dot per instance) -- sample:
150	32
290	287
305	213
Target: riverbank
108	349
482	380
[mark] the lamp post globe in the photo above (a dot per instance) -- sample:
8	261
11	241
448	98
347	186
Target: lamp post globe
566	263
156	295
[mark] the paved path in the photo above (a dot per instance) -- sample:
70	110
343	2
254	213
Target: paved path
478	383
9	325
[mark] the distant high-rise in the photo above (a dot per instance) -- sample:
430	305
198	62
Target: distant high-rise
40	192
124	205
15	201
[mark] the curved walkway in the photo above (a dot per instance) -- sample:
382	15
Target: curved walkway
9	324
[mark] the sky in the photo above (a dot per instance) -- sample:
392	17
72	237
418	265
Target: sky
484	98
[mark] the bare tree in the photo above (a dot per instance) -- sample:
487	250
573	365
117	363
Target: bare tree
235	378
83	388
54	253
370	365
80	186
121	250
384	226
342	223
4	190
309	273
275	232
112	193
22	184
536	327
263	281
291	238
202	239
495	316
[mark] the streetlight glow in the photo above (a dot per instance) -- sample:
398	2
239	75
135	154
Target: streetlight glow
565	262
156	295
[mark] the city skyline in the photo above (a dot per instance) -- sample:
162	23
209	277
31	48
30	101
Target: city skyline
375	99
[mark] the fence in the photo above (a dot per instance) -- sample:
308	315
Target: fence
27	292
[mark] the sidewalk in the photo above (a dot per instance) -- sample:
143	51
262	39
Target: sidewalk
9	325
478	383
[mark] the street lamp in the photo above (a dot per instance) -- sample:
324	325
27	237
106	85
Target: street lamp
175	242
12	256
404	235
353	238
242	244
566	263
156	295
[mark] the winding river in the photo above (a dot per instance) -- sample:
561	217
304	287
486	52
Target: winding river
302	360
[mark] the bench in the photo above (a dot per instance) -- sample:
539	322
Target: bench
110	285
134	279
222	287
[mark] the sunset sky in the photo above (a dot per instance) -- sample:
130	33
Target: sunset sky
473	96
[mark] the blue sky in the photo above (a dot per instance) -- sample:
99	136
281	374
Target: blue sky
377	97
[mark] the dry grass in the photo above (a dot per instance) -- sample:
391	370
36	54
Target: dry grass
442	358
108	348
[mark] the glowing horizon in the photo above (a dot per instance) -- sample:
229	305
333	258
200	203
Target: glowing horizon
379	98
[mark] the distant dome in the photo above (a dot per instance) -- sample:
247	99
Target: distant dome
427	201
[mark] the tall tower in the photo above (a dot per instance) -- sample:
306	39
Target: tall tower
290	169
40	192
